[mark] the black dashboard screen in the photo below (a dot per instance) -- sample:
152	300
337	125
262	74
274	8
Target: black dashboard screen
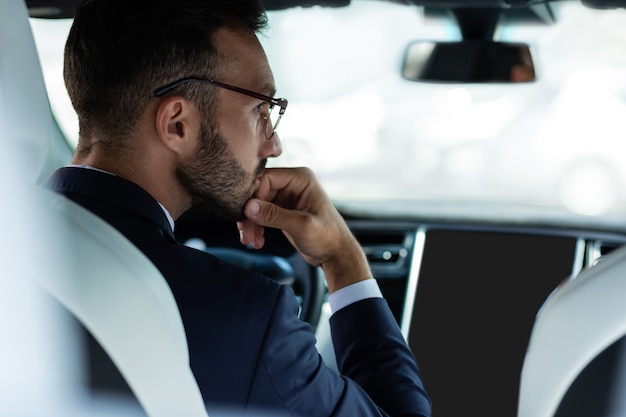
476	300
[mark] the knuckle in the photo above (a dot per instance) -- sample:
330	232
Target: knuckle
271	213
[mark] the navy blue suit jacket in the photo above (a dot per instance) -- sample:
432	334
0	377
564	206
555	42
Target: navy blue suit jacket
248	349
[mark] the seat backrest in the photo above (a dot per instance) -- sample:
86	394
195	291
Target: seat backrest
123	300
88	266
578	332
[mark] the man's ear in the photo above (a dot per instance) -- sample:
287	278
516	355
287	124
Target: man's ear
178	124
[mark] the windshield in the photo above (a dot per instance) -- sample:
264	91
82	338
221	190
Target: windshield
556	144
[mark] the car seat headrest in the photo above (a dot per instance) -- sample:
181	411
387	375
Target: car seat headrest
25	117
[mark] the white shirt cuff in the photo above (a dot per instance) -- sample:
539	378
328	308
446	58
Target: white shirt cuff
352	293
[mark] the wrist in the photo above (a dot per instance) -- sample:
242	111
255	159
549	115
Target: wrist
348	267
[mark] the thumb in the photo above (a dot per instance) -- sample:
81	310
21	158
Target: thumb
295	225
268	214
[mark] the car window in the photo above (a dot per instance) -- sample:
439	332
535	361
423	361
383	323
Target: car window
555	145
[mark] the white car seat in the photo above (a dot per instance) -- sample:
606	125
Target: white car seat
576	360
89	267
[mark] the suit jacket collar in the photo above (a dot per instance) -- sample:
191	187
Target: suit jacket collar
110	189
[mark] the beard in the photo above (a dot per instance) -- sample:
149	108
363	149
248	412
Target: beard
216	181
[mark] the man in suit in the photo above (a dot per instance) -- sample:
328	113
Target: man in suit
175	108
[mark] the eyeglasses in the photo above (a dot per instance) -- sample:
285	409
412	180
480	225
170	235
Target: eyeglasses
272	118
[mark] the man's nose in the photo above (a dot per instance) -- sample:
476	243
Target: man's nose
271	147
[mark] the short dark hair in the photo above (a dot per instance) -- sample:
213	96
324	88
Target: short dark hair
119	51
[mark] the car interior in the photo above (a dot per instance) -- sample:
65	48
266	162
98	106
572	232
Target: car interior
515	314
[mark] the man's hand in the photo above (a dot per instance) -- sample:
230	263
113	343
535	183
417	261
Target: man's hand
291	199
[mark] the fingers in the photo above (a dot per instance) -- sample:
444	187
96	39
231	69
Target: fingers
291	199
266	213
285	198
251	234
276	186
295	224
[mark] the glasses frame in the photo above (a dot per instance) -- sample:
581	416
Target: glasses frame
280	102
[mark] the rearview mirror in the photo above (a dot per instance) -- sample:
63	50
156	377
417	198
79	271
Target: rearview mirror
468	62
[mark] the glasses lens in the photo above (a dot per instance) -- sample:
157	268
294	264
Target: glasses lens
274	116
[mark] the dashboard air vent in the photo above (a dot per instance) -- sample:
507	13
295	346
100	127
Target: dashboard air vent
387	251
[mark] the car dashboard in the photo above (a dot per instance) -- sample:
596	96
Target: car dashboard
465	294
